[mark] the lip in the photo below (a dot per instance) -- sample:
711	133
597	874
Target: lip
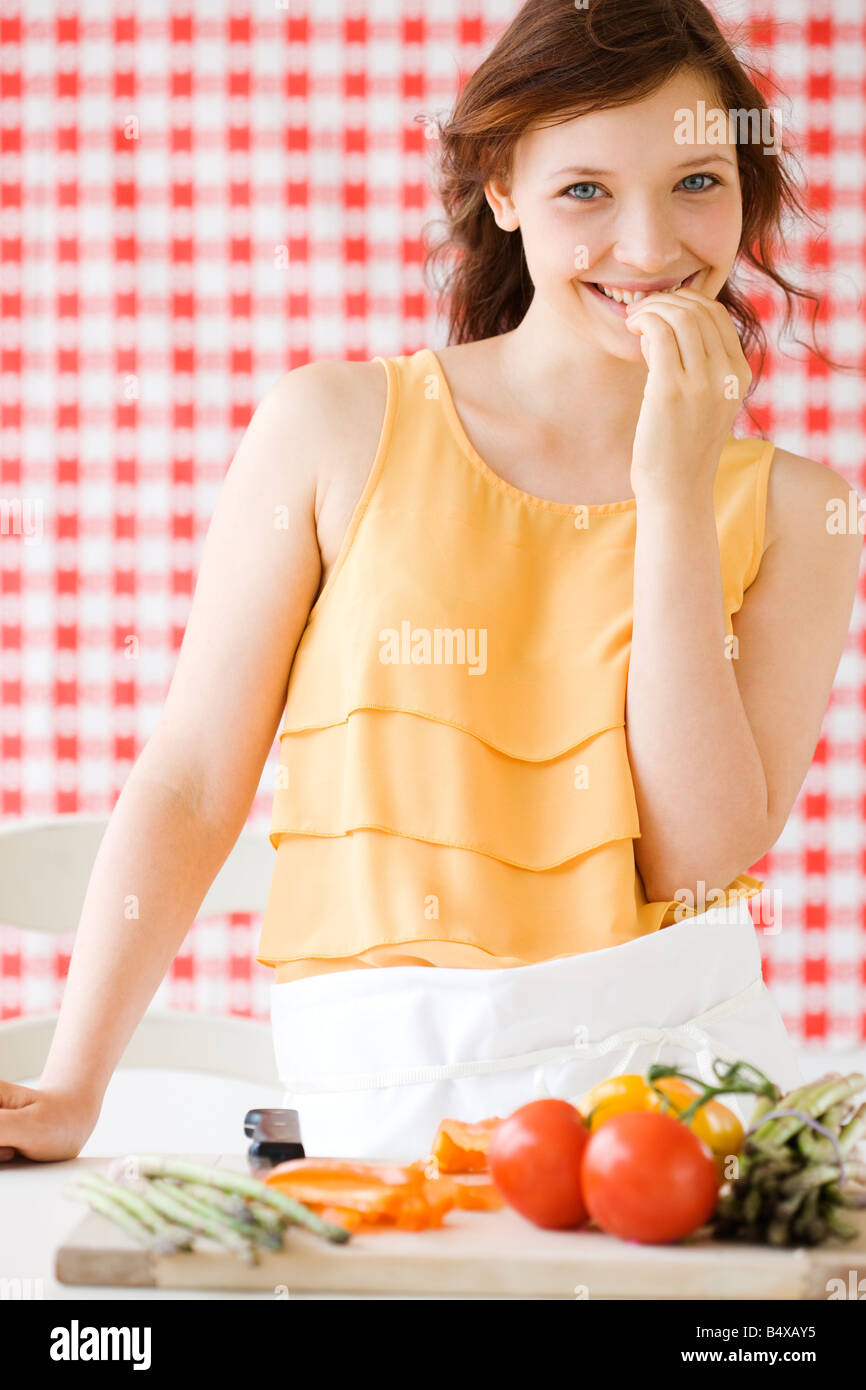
620	309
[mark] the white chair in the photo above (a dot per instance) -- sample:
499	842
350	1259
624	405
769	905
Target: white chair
45	866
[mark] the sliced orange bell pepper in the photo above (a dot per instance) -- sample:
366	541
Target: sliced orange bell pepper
327	1169
461	1147
342	1216
400	1195
416	1214
441	1197
478	1196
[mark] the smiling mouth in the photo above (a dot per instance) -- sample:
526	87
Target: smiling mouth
619	307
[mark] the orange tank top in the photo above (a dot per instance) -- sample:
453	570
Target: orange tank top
454	787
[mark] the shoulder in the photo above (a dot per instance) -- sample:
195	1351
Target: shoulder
326	394
330	414
813	538
802	497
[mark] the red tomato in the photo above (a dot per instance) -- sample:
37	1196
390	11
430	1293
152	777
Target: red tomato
648	1177
534	1159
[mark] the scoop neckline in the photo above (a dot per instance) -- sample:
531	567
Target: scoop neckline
468	449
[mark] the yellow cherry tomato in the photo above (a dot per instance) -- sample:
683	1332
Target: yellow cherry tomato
612	1097
714	1123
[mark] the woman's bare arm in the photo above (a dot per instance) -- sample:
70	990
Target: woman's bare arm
191	789
721	735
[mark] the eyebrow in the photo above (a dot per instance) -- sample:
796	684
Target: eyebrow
606	173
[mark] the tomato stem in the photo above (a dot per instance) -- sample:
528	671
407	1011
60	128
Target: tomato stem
734	1077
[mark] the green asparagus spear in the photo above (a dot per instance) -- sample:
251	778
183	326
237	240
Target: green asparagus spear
214	1225
811	1175
778	1231
771	1163
767	1172
173	1236
206	1209
802	1224
850	1194
114	1210
816	1146
836	1223
793	1099
848	1086
763	1105
228	1202
728	1206
820	1097
853	1130
752	1205
268	1216
782	1211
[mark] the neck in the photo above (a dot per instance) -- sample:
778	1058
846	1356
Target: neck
566	381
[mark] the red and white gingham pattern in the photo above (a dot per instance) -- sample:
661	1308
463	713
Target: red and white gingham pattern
196	198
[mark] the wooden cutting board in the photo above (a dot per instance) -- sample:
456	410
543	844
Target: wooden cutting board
480	1253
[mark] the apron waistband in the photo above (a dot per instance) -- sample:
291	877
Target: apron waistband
690	1034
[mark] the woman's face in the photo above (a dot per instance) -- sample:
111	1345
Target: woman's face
613	198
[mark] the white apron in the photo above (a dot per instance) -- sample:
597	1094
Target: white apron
373	1059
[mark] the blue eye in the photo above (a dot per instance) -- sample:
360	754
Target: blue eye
712	177
580	185
580	199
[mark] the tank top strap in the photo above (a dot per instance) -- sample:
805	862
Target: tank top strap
419	427
396	460
741	489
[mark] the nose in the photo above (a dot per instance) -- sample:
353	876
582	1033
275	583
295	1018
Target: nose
645	241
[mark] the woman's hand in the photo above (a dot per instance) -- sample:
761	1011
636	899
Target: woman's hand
694	391
43	1124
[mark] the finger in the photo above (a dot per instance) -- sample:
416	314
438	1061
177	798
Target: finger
659	345
721	320
698	340
12	1130
13	1099
725	356
6	1154
13	1095
687	335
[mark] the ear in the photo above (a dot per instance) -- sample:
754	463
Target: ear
504	212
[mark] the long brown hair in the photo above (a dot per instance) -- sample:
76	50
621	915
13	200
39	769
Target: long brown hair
556	61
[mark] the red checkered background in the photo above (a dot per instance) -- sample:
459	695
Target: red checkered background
197	197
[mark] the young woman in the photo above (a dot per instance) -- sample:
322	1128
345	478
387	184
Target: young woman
551	645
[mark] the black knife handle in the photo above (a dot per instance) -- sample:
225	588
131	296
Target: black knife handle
276	1136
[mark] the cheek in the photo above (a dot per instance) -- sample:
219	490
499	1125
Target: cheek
715	237
578	250
557	248
719	247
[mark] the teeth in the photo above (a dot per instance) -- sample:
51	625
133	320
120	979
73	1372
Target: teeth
632	297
